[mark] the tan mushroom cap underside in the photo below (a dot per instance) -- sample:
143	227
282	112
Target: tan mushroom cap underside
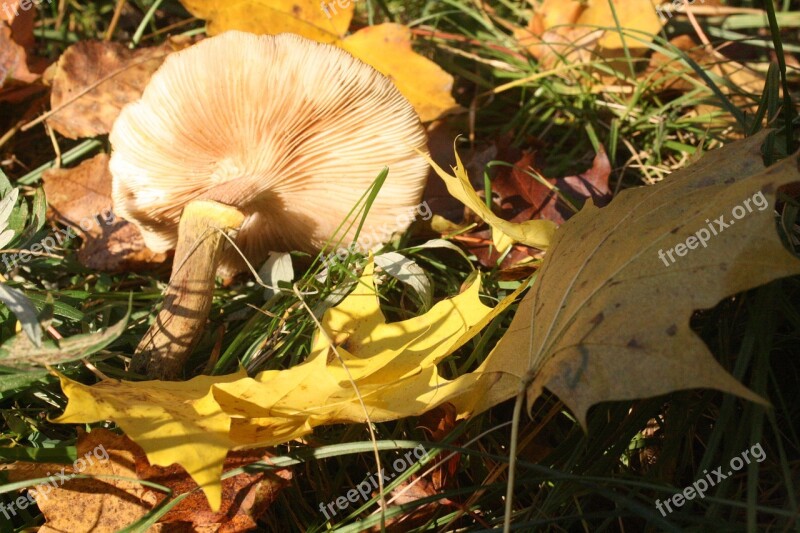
290	131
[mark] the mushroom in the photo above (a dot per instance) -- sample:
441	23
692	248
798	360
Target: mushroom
287	132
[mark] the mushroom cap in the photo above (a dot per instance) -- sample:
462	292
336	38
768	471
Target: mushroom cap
289	131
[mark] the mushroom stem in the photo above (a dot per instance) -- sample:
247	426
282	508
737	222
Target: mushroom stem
164	349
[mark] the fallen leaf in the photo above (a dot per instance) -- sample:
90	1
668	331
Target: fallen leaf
393	366
303	17
575	30
523	197
245	496
174	422
13	59
550	202
637	15
390	364
608	318
535	233
437	424
106	505
567	45
387	47
80	197
22	22
111	504
440	147
93	81
9	10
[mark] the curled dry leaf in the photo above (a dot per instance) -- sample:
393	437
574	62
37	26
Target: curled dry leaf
391	365
524	197
534	233
19	67
385	47
93	81
81	198
603	323
529	198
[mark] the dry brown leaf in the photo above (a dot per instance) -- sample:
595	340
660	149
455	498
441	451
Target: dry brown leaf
526	197
81	198
13	59
21	22
19	67
110	504
437	425
522	197
245	497
608	318
533	233
93	81
106	505
9	10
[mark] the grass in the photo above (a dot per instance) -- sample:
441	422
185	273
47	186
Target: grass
603	479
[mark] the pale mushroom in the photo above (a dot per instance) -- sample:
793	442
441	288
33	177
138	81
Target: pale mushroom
287	131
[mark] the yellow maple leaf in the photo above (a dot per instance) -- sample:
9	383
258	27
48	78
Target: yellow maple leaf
385	47
535	233
579	30
356	357
391	365
637	16
303	17
173	422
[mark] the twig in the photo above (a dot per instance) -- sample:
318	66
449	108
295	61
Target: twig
114	20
